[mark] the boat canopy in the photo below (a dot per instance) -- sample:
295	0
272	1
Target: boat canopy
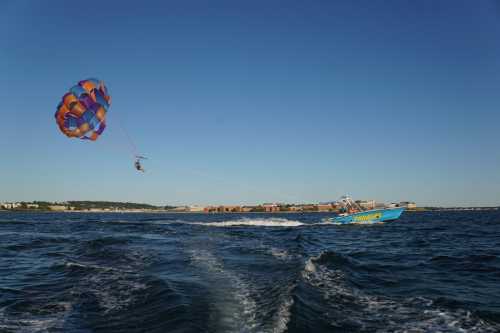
349	204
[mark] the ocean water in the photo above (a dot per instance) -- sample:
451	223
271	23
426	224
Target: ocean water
427	272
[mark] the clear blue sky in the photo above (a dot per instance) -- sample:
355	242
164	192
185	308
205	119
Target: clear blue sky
255	101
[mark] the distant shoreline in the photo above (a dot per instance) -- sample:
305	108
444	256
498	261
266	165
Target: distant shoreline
419	210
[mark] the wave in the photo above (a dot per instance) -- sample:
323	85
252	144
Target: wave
105	241
84	268
38	243
281	254
29	310
43	323
114	298
483	263
112	288
349	307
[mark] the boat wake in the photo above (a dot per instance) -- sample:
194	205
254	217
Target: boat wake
271	222
234	305
240	303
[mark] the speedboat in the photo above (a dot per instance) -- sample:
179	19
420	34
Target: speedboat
356	214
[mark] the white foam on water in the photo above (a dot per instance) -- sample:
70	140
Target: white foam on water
270	222
114	292
251	222
41	324
280	254
283	314
71	264
235	302
408	315
310	267
331	221
114	288
368	222
282	317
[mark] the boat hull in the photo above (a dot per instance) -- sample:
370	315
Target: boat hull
370	216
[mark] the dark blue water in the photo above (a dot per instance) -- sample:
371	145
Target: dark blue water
248	273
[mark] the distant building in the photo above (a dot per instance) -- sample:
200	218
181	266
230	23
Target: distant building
222	209
209	209
196	209
180	209
366	204
308	208
324	207
269	208
285	207
230	209
408	204
11	205
14	205
57	207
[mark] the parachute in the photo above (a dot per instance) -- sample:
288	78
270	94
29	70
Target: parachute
82	111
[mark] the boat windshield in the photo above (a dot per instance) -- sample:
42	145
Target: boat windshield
350	206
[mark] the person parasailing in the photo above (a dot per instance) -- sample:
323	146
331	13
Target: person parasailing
82	111
137	163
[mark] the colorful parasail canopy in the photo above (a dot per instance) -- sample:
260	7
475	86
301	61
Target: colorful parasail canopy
82	111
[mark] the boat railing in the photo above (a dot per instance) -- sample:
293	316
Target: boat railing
350	204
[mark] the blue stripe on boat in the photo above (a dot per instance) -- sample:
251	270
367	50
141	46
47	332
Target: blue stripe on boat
370	216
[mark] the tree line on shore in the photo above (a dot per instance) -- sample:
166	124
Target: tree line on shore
80	205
